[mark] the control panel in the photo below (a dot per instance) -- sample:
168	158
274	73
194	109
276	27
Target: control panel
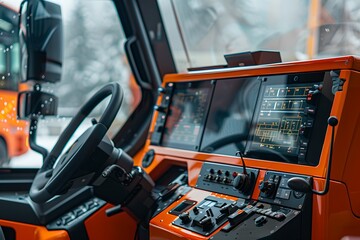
76	215
276	118
208	215
264	221
227	179
278	210
279	120
274	189
171	186
162	110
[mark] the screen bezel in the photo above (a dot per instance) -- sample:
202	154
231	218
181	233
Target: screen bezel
317	132
183	85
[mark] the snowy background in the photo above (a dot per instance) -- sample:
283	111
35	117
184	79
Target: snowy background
93	56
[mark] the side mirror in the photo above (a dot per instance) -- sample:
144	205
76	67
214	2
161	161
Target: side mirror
41	47
33	104
41	41
41	44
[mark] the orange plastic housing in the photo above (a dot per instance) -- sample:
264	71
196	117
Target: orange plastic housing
31	232
120	226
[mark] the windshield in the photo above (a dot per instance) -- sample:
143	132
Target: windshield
202	31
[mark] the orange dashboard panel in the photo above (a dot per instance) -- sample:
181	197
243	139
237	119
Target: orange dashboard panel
32	232
258	152
120	226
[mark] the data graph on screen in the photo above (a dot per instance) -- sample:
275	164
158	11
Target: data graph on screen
280	118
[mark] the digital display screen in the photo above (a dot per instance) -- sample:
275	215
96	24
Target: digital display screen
187	114
230	115
274	118
280	121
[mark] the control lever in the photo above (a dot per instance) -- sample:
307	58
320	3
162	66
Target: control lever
241	155
243	180
169	190
267	187
237	217
172	187
300	184
114	210
228	209
185	217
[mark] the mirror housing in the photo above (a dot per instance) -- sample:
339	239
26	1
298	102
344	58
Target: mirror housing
35	104
41	44
41	47
41	41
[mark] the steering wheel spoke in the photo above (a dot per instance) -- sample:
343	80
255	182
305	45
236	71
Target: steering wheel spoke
44	177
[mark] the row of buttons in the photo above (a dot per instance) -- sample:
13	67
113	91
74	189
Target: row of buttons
216	176
283	193
162	112
307	124
218	179
268	212
286	193
77	212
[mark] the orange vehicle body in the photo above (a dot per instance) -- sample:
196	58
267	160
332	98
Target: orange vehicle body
334	215
13	131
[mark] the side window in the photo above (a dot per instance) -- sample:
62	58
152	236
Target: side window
15	58
2	60
93	56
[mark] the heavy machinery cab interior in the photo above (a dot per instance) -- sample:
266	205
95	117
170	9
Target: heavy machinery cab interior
253	148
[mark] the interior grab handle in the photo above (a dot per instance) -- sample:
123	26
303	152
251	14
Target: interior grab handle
128	50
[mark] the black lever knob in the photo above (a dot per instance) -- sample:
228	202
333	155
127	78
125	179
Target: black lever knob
114	210
196	210
241	182
228	209
333	121
206	223
185	218
299	184
267	188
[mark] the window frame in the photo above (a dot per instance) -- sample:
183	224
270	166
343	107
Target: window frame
150	59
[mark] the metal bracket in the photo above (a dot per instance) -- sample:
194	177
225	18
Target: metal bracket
337	82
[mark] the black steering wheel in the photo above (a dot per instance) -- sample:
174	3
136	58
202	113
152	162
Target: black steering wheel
51	181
